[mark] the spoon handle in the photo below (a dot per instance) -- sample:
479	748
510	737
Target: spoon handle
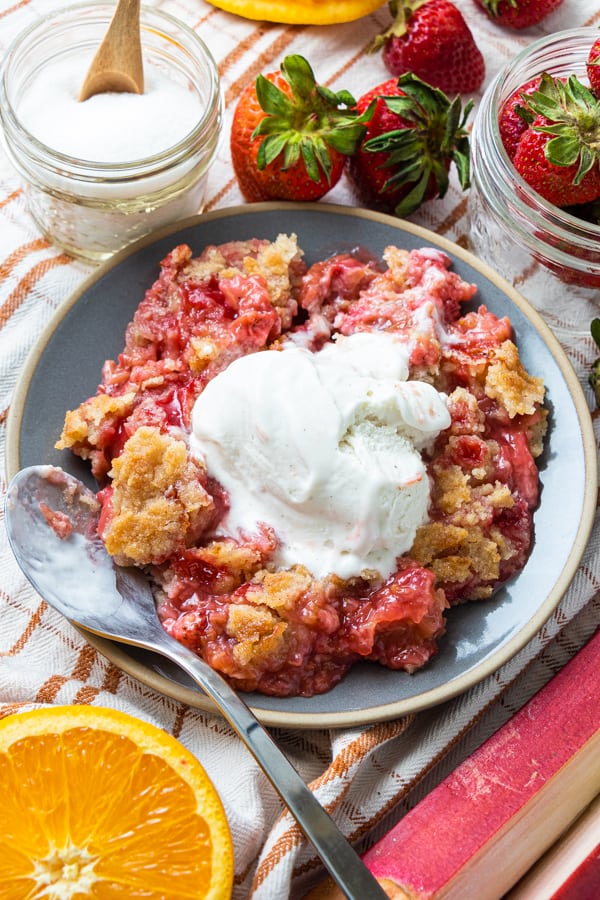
342	862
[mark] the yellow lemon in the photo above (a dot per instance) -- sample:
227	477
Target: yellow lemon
302	12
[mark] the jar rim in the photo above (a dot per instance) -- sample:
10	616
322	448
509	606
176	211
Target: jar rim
151	19
531	210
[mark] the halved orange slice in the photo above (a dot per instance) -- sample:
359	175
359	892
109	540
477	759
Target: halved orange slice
96	803
302	12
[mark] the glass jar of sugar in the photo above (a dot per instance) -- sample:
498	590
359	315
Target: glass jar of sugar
550	253
101	173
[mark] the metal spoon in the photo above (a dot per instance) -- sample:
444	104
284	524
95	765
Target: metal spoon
51	522
117	65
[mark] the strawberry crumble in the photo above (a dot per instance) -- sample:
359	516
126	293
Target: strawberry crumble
268	620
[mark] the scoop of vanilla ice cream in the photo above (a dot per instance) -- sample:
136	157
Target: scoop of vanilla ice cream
325	448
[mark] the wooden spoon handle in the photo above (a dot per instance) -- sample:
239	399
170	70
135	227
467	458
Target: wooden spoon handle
117	65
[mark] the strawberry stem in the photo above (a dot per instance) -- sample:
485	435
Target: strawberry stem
420	152
307	123
572	115
401	12
492	5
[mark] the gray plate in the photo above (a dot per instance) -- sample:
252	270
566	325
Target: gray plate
64	368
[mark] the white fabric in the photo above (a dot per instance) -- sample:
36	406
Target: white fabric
366	776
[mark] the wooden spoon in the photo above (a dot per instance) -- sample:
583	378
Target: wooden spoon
117	65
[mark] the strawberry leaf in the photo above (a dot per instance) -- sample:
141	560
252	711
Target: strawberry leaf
291	154
270	149
580	93
587	160
273	101
299	75
571	115
419	154
341	98
316	152
562	150
594	375
463	166
308	123
524	112
346	139
414	198
492	5
400	11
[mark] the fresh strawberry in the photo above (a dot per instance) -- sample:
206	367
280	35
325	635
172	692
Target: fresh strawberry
414	133
431	39
514	116
593	68
518	13
558	154
290	136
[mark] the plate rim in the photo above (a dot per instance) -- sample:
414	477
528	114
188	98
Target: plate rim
114	651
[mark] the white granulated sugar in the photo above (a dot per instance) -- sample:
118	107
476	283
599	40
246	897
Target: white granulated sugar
110	128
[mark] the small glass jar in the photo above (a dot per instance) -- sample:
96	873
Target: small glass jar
92	208
539	246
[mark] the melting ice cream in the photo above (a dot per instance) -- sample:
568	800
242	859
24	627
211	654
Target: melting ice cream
325	448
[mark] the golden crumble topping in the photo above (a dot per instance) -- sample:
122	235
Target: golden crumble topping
457	553
240	561
281	590
510	384
273	263
396	260
259	634
459	548
83	426
537	433
201	353
158	505
451	488
260	627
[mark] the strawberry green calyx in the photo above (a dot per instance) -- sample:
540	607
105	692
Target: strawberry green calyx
420	153
492	5
573	119
305	124
519	13
594	376
401	11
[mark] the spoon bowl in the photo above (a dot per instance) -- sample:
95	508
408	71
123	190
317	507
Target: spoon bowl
117	66
51	522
